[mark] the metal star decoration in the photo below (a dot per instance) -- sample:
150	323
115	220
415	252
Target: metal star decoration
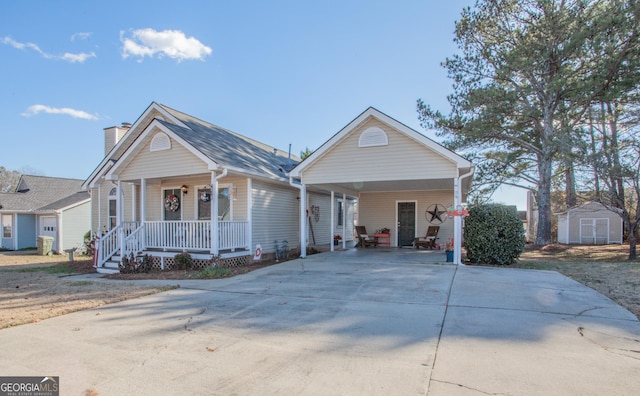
434	213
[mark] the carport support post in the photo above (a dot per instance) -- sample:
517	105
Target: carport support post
303	215
457	220
303	220
344	221
332	225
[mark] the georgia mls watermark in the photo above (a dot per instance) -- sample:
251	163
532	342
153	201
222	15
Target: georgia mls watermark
29	386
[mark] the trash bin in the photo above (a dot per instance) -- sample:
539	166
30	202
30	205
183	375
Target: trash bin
45	243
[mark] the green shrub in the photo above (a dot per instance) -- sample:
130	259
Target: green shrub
183	261
493	234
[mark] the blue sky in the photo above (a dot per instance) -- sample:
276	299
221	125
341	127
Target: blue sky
282	72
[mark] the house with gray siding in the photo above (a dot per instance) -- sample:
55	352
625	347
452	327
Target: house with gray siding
45	206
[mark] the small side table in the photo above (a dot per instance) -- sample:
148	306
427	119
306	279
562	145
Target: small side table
383	239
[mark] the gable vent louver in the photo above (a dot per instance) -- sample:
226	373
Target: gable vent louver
160	141
372	137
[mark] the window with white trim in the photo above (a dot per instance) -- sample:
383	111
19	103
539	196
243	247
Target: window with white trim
340	211
225	203
7	222
113	207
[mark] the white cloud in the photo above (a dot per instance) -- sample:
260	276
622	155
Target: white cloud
80	58
37	109
73	58
171	43
80	36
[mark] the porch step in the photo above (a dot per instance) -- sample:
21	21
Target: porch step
110	267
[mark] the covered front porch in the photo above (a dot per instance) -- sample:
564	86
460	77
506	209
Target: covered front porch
165	216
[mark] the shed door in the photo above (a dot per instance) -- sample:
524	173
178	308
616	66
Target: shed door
594	231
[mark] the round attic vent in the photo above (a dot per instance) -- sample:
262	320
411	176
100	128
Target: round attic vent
372	137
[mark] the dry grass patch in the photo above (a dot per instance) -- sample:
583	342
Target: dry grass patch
604	268
34	288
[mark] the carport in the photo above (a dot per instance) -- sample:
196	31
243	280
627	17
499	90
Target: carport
401	179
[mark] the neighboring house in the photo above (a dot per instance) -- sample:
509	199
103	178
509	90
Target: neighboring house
401	179
591	223
45	206
164	176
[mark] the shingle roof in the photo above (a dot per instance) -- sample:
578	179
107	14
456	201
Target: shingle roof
35	192
230	149
65	202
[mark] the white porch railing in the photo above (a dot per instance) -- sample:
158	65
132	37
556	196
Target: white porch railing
195	235
171	235
108	245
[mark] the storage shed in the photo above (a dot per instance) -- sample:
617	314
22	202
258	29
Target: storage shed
591	223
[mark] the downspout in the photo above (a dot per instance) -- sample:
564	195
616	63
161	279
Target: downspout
457	230
215	246
303	216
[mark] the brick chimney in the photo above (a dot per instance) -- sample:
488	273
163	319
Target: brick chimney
112	135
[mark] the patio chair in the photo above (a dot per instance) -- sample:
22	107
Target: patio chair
429	240
364	239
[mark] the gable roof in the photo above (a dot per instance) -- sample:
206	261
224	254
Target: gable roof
590	207
230	149
38	192
225	148
460	161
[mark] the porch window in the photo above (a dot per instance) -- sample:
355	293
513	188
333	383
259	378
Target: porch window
6	226
340	211
113	195
224	203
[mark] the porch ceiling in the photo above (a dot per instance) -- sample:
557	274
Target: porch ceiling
388	185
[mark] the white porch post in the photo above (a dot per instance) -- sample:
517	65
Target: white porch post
344	220
119	216
134	206
99	187
143	211
332	222
214	249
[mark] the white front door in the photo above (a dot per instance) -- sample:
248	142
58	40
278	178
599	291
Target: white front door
49	227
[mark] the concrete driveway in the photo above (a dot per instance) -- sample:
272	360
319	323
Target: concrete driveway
358	322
